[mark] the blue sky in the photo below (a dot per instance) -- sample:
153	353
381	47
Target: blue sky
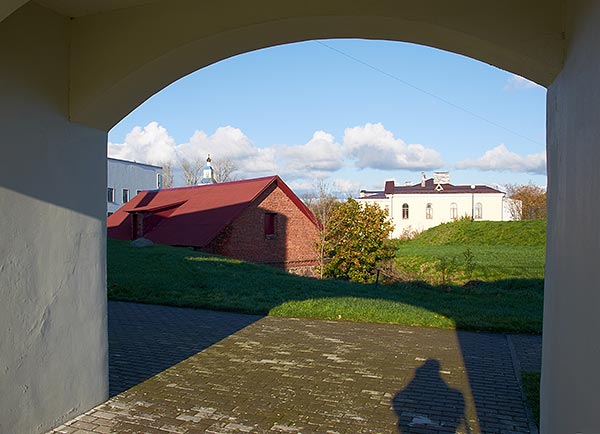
347	111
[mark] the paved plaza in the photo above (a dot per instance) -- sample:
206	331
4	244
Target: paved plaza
214	372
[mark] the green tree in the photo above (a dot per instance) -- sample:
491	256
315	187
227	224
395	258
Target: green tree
529	201
355	241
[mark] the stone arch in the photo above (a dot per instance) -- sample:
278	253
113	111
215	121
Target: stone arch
69	65
150	46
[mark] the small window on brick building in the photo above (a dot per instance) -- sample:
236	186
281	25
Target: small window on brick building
270	224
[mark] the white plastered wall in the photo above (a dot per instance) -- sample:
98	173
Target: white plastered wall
53	338
114	71
571	349
52	177
417	220
492	209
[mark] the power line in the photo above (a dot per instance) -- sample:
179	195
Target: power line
426	92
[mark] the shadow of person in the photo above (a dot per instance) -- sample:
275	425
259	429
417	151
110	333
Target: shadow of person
428	403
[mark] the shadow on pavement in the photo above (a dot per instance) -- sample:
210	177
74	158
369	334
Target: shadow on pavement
428	402
144	340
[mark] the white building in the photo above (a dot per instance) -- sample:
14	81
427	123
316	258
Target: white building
128	178
434	201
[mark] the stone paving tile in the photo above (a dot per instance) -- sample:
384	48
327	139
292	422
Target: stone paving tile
145	339
282	375
529	351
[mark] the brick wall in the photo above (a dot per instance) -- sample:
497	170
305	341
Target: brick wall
292	247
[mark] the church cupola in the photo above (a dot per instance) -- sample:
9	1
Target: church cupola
208	173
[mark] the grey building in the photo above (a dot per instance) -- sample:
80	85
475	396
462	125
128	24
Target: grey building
126	179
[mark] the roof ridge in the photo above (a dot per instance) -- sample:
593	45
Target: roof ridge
239	181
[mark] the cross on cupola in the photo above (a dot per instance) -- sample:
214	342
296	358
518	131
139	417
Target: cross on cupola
208	173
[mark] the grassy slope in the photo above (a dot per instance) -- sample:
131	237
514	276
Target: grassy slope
182	277
485	233
502	250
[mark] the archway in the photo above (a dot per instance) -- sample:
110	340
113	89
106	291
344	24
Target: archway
111	75
61	87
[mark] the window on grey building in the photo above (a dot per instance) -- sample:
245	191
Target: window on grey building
429	212
138	191
111	194
159	181
405	211
125	195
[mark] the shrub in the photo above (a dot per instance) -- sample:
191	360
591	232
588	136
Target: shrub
356	240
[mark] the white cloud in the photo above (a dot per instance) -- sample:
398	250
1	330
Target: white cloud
318	157
229	143
339	187
501	159
375	147
300	186
226	143
368	146
342	187
151	144
516	82
262	163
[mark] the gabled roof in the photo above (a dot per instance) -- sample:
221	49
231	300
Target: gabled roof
429	188
194	216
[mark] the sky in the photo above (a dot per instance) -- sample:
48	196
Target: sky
351	113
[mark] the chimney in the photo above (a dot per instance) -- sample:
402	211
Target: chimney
441	178
389	187
423	179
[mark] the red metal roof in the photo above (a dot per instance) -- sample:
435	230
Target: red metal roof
194	216
430	188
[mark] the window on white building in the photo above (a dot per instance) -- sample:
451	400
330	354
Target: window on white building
453	211
405	211
478	211
125	195
111	194
429	212
159	181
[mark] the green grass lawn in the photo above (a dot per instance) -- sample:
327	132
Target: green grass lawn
501	250
531	385
486	233
181	277
491	262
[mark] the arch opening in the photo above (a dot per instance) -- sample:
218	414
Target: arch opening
111	80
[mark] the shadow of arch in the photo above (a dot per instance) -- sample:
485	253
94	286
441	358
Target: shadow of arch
428	390
145	339
116	76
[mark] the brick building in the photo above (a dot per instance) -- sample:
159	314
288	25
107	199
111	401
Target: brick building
258	220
